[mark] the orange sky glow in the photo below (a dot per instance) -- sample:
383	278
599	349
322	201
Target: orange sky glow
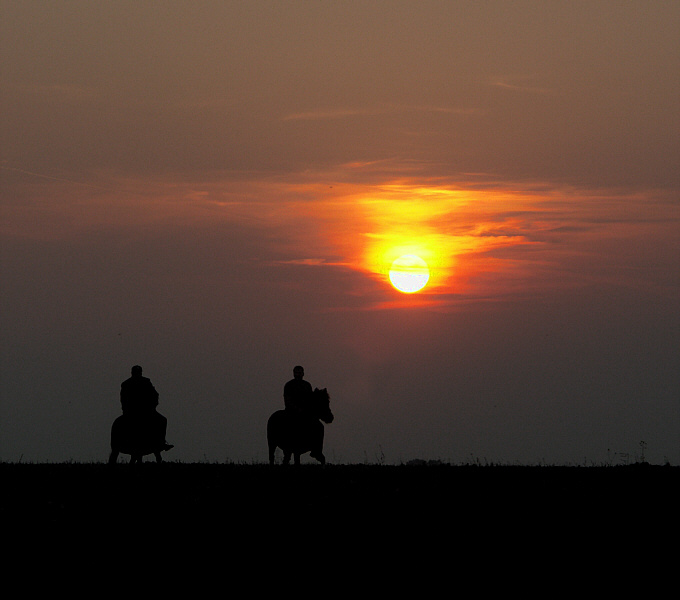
479	242
446	227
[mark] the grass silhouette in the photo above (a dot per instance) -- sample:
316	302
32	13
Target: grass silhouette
73	495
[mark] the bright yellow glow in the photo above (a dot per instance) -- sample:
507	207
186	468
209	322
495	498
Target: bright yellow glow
461	234
409	273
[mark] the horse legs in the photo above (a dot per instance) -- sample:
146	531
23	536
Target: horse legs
286	456
135	458
272	453
158	457
317	443
113	457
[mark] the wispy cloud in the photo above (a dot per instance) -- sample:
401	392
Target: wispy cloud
308	262
325	114
385	109
522	83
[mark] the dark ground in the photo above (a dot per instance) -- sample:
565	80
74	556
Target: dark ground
344	517
76	495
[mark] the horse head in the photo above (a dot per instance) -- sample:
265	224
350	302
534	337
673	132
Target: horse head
322	405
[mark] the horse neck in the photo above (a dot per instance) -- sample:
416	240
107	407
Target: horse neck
319	405
313	408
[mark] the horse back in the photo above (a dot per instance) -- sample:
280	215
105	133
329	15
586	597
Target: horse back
275	422
118	425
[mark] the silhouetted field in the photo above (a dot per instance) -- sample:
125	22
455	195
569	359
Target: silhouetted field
189	498
343	526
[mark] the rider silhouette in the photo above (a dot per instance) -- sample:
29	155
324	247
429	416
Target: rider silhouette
139	399
297	393
138	396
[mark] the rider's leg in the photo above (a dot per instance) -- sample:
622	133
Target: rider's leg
317	441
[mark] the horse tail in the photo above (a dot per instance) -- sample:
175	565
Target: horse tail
272	438
117	432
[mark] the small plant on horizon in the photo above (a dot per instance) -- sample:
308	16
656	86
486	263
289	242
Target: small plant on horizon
609	461
475	460
624	457
643	446
381	456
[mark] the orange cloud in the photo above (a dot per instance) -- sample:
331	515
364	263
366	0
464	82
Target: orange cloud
456	231
478	240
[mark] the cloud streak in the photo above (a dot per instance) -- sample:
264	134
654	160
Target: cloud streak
387	109
523	84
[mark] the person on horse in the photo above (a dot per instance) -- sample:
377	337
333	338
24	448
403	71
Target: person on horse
139	399
297	394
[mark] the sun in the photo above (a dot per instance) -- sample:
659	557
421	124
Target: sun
409	273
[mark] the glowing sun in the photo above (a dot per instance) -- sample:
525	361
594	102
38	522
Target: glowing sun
409	273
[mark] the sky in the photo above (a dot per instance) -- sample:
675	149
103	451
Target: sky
216	191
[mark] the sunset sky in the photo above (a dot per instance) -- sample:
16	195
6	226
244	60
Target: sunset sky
217	191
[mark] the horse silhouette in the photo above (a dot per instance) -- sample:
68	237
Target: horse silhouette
298	433
138	436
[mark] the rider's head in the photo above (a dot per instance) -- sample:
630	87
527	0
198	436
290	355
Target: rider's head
136	371
298	372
